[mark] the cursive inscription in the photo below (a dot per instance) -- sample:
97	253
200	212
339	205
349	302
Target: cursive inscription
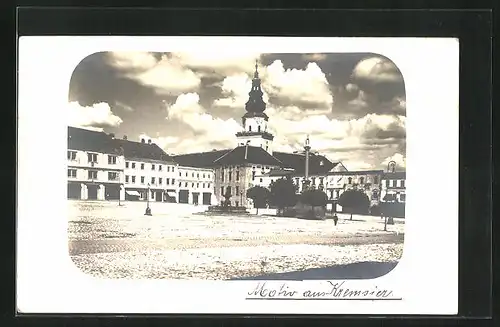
329	291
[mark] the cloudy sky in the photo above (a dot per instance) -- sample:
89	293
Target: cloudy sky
351	104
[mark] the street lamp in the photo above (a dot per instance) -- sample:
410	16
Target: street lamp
241	198
148	209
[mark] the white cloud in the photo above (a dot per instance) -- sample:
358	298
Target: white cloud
163	142
314	56
376	69
207	128
294	87
309	85
398	158
95	117
165	75
226	61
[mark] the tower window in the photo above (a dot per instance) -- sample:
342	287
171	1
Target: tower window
249	128
258	128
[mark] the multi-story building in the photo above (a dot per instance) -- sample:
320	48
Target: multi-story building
195	185
148	167
394	187
95	166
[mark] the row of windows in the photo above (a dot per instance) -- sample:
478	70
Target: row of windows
197	185
230	175
92	157
197	175
229	189
153	166
132	179
394	183
92	175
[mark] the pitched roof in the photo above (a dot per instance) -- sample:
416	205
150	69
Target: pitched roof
248	154
200	159
87	140
395	175
141	150
356	172
278	172
317	163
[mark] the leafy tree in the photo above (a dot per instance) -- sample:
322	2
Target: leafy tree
259	195
283	194
354	199
314	198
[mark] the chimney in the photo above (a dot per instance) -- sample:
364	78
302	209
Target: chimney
143	141
149	141
112	135
124	137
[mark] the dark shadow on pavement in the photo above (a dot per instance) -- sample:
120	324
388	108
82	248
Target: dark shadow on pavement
359	270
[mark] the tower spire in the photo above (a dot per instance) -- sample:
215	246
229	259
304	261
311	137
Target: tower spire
256	74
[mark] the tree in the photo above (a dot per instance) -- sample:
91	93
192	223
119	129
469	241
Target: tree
259	196
314	198
283	194
354	200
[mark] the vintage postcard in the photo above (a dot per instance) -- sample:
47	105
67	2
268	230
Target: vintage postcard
238	175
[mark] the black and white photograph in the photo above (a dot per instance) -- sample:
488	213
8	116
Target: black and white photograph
206	174
236	165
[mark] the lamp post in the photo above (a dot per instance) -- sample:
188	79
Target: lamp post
241	198
148	209
307	148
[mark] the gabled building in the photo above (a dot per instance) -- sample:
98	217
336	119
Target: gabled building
95	166
394	186
148	167
240	168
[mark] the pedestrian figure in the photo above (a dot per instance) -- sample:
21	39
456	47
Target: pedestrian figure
335	219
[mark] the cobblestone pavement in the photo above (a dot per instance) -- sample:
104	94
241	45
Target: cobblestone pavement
108	241
77	247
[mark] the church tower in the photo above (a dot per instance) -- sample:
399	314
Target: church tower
255	121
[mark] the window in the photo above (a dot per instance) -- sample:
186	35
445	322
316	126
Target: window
180	184
237	190
237	175
237	203
126	178
159	167
112	176
92	157
386	183
160	180
258	128
186	174
203	185
92	174
142	179
111	160
361	180
142	166
133	165
126	164
249	128
402	197
173	181
192	175
253	175
260	180
208	186
222	175
71	155
313	180
349	180
152	166
203	175
197	185
185	184
321	180
167	180
153	180
228	190
72	173
192	185
133	179
230	174
198	176
403	183
222	190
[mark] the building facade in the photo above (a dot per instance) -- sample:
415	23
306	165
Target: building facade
394	187
195	185
95	166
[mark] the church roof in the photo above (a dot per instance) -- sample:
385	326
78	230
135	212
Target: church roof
200	159
318	164
248	154
88	140
141	150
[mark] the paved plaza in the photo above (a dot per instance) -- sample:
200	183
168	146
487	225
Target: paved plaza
180	242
